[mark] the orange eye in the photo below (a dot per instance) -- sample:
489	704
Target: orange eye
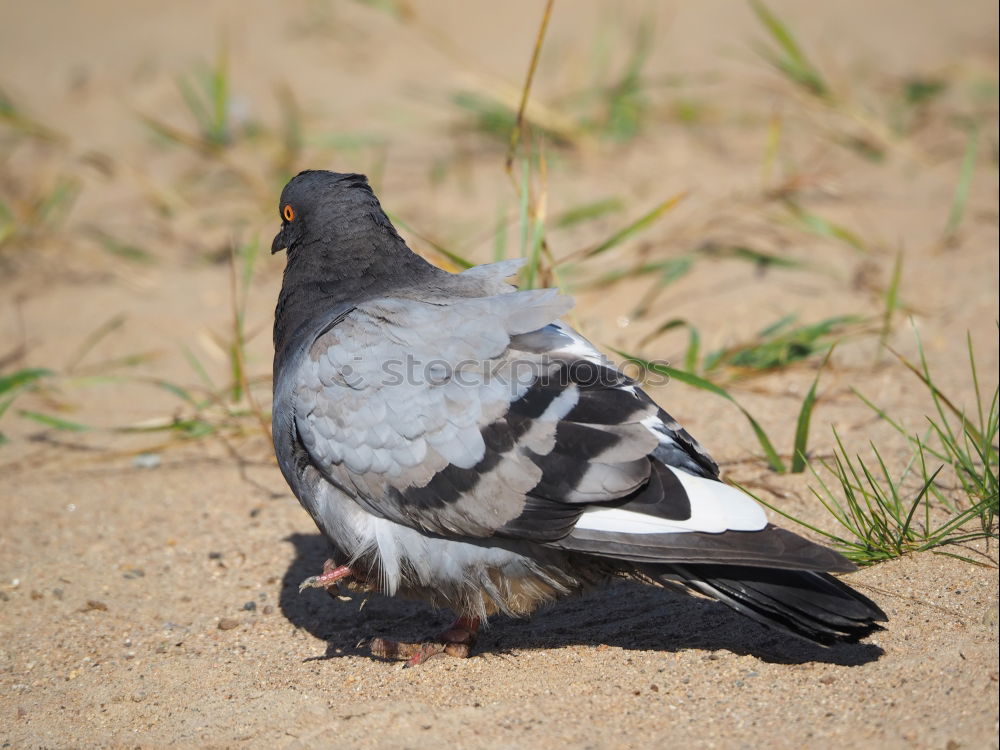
289	213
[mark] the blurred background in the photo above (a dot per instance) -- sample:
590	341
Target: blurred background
743	191
788	209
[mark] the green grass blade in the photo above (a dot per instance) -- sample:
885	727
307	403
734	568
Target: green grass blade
936	394
489	116
779	32
523	200
789	516
199	369
56	204
777	347
961	195
11	385
693	347
779	324
975	381
773	459
93	339
22	378
500	236
643	222
219	88
663	328
891	300
49	421
455	258
794	63
179	391
516	134
759	258
880	412
124	250
587	212
821	227
531	268
670	271
802	425
199	112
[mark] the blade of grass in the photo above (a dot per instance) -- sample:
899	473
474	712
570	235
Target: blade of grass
219	89
790	517
14	117
292	133
123	250
455	258
794	64
777	347
533	270
524	198
49	421
802	424
772	148
587	212
56	204
891	301
516	135
500	236
936	393
821	227
742	252
22	378
961	195
93	339
671	271
625	102
200	114
693	346
180	392
11	385
635	272
643	222
779	324
238	304
199	369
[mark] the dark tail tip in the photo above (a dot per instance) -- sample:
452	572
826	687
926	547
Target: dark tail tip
809	604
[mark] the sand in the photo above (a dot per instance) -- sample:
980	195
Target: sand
148	585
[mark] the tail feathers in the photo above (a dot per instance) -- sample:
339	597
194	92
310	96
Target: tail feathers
805	603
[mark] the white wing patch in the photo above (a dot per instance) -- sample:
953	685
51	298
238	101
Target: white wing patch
715	507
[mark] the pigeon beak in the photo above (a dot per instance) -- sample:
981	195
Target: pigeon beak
280	241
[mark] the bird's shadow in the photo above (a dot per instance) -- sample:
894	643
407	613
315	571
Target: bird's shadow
625	614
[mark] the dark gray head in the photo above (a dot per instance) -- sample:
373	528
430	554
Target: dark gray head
318	206
342	248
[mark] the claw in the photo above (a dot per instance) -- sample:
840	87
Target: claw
330	576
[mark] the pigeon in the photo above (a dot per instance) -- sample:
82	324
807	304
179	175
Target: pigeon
458	444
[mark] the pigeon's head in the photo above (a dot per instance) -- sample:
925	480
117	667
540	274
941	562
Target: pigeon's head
318	204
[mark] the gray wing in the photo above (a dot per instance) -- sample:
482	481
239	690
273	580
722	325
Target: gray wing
479	416
469	416
399	401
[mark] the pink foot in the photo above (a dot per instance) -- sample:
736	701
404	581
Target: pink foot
331	575
456	641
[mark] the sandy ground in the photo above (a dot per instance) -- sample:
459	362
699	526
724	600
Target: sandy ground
153	602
